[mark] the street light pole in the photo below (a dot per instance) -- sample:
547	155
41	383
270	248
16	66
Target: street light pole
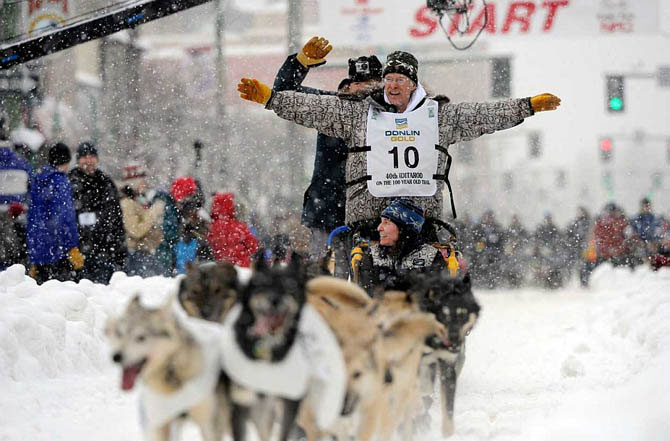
294	31
220	95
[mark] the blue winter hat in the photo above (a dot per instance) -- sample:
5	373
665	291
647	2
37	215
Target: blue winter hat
405	213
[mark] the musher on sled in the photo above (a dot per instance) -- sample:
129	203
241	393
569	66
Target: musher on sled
397	137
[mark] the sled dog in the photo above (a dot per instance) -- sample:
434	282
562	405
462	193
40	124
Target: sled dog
451	300
208	291
178	370
382	342
280	347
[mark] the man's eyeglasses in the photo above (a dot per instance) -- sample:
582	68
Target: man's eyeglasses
400	81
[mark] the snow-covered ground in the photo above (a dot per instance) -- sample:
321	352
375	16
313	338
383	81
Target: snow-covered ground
572	364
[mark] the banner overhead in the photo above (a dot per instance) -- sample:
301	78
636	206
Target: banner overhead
396	22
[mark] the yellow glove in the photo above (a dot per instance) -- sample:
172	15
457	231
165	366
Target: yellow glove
314	52
452	263
356	256
253	90
76	258
33	272
545	101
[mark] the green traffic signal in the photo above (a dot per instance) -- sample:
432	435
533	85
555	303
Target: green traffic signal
614	93
616	103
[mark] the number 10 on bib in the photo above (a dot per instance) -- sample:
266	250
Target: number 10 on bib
403	158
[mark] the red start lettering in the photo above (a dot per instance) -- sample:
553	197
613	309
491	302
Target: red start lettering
36	5
520	12
428	22
551	13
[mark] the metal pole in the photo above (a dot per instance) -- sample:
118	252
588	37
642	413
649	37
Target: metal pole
133	54
220	95
294	22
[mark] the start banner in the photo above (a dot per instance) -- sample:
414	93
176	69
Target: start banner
394	22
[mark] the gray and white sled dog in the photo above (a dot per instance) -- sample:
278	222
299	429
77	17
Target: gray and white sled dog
175	361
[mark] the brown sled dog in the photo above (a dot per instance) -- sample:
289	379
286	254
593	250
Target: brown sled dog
382	343
208	291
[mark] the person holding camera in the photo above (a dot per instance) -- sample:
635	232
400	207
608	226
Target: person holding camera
324	200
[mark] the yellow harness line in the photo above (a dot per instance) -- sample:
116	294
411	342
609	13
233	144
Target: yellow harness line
356	257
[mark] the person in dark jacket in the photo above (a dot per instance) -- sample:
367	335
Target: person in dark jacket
96	201
52	235
400	249
647	228
550	256
516	253
324	200
488	237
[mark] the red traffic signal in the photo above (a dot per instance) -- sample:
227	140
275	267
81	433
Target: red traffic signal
606	146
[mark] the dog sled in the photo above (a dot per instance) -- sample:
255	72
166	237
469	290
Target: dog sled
440	234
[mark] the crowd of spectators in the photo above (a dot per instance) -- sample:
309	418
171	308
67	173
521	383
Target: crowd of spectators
72	223
549	255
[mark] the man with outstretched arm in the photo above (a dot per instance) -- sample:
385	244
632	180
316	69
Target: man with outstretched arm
397	136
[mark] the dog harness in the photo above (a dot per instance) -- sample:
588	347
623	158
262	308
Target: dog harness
313	368
157	409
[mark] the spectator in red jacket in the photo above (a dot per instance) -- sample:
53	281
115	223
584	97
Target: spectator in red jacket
612	231
231	240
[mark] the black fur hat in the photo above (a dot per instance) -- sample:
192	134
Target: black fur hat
59	154
365	68
86	148
402	63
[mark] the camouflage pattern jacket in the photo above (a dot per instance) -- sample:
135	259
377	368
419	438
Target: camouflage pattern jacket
347	119
380	268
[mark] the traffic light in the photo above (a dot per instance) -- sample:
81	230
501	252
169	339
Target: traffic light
606	146
614	88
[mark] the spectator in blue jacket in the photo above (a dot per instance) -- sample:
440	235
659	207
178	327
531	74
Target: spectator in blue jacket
647	227
53	239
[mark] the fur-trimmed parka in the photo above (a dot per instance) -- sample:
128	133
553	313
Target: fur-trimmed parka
347	119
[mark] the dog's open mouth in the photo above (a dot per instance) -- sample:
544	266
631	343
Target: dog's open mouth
268	324
130	374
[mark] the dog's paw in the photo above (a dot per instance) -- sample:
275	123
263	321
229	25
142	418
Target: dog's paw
447	427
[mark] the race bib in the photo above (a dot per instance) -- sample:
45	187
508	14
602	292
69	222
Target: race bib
403	158
87	219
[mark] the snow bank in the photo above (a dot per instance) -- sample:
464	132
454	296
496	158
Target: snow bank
546	365
56	329
578	364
